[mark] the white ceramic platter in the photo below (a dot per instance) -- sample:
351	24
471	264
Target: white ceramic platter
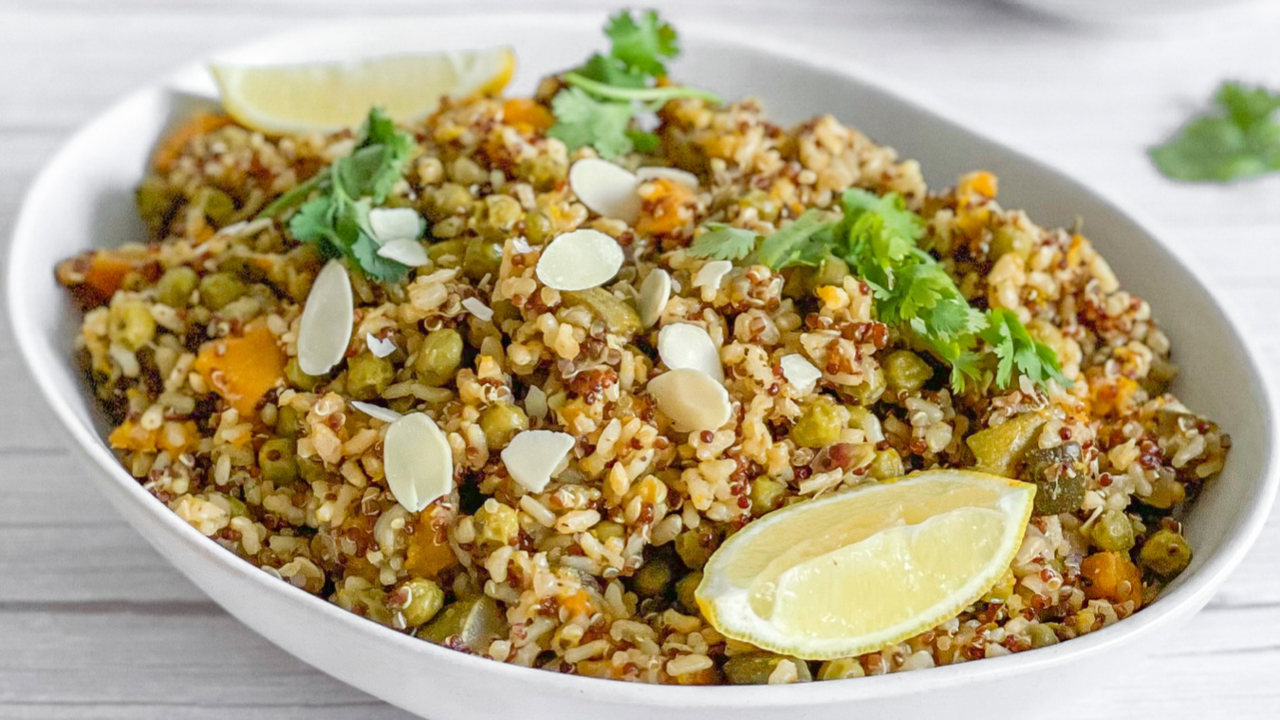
83	199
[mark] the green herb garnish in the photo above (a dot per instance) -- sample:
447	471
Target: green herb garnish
723	242
337	219
879	239
1238	139
604	95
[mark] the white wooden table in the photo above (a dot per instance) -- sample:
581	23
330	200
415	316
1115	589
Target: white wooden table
94	624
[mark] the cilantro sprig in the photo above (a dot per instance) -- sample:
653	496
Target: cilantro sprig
878	237
336	219
603	97
1239	138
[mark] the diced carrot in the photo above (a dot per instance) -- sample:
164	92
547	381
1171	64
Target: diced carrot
579	603
429	553
1111	576
242	369
981	182
96	275
132	436
667	206
202	123
526	115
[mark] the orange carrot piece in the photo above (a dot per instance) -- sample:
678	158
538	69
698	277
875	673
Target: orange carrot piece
526	115
242	369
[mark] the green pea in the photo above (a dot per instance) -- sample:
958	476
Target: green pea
655	577
447	253
217	290
217	205
1042	635
685	589
288	421
606	530
368	376
277	461
755	668
129	323
906	372
819	425
869	391
804	280
501	422
695	546
766	495
1166	553
887	464
293	373
155	199
538	227
176	285
1011	239
1113	531
439	357
474	623
482	258
423	599
311	470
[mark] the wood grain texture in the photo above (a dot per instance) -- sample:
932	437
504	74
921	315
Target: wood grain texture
93	624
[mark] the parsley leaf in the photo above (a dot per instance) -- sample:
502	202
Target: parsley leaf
723	242
641	44
795	244
336	219
1239	139
604	95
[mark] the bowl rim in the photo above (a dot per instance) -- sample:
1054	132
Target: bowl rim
1192	593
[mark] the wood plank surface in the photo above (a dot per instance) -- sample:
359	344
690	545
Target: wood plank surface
93	624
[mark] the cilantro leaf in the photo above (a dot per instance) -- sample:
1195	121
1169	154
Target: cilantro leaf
641	44
610	71
723	242
1015	348
1238	139
337	219
583	120
788	245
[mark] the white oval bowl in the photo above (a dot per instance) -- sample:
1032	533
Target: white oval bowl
83	199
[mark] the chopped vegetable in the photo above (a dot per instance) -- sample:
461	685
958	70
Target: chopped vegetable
1112	576
242	369
1238	139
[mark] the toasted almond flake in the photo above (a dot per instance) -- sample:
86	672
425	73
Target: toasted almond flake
800	372
378	346
710	275
245	228
684	345
405	252
687	179
325	329
606	189
579	260
521	245
692	399
535	402
533	456
477	308
377	412
390	224
655	291
418	461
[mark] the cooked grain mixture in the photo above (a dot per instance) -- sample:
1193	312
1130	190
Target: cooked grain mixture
190	344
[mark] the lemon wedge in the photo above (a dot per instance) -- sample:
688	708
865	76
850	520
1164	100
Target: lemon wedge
860	570
323	97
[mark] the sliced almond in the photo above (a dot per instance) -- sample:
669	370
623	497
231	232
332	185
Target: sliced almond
692	399
606	189
390	224
325	329
477	308
533	456
712	274
579	260
655	291
405	252
377	412
535	402
380	347
684	345
687	179
800	372
418	461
